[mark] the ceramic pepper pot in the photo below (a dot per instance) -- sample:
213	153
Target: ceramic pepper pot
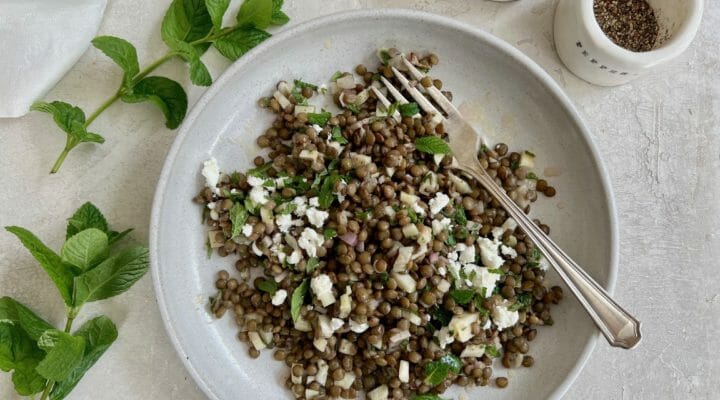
586	51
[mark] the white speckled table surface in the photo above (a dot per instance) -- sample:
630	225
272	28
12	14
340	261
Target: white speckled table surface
659	137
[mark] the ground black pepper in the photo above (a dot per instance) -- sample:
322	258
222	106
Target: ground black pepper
628	23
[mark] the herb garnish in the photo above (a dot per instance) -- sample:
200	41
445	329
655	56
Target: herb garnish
336	135
408	109
298	299
268	286
437	371
189	28
311	265
462	296
432	145
88	268
319	118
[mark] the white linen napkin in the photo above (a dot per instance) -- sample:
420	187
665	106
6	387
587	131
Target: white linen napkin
39	41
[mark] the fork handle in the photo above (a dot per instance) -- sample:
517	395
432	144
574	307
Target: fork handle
619	327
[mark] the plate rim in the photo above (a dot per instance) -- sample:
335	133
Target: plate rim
538	73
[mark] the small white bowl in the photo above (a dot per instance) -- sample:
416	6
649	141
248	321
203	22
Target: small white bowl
591	55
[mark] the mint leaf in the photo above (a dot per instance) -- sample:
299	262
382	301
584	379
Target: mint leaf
462	296
268	286
165	93
86	249
255	13
336	135
63	113
112	277
453	361
436	372
329	233
326	196
531	175
25	378
319	118
64	353
87	216
432	145
302	85
114	236
492	351
278	16
298	298
122	52
49	261
523	300
186	21
239	42
311	265
238	217
408	109
353	109
99	333
14	312
217	9
199	74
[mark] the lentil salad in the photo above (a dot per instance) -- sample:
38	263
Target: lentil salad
364	260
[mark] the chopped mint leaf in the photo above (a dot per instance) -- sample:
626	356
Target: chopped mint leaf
319	118
329	233
353	109
409	109
303	85
531	175
337	136
432	145
268	286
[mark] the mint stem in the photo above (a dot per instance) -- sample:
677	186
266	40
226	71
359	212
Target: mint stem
68	325
71	143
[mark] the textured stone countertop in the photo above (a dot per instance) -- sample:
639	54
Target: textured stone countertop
659	137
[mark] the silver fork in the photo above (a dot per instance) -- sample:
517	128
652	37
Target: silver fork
619	327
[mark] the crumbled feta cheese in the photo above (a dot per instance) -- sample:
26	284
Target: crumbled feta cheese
473	350
336	323
357	327
508	251
405	282
258	195
418	209
347	347
402	259
255	181
247	230
317	217
424	236
404	371
379	393
410	231
256	340
438	226
314	202
310	240
345	303
211	206
489	253
335	145
454	268
461	325
321	376
321	286
398	336
346	381
438	203
284	102
311	155
429	184
487	325
211	172
301	205
279	297
283	222
504	318
459	184
444	285
294	257
466	253
497	232
543	264
326	329
480	278
509	225
389	212
302	324
444	337
408	199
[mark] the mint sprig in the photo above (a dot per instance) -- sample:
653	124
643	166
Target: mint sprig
189	28
52	361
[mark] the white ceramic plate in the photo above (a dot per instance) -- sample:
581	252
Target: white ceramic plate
500	90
